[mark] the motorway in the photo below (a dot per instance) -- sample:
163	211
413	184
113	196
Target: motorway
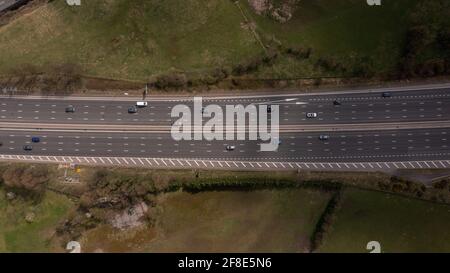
7	4
421	105
410	129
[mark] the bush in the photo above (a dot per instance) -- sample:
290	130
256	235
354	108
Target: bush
27	178
443	40
121	189
253	64
417	38
330	64
300	53
364	68
326	220
175	80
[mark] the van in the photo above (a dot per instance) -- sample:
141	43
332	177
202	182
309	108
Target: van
141	104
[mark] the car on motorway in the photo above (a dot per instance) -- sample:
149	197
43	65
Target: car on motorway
230	148
35	139
324	137
141	104
132	110
386	95
311	115
70	109
28	148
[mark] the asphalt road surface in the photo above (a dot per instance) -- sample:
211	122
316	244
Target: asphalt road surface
355	108
416	144
7	4
374	144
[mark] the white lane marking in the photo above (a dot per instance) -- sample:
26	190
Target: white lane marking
157	163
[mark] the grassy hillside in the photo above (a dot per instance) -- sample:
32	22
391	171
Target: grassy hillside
399	224
137	39
128	39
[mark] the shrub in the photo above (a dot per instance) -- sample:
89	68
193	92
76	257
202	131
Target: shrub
174	80
28	178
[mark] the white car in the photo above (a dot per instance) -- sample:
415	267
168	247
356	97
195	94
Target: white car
311	115
141	104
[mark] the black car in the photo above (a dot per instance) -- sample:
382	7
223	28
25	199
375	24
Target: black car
336	102
28	148
230	148
324	137
132	110
70	109
269	108
386	95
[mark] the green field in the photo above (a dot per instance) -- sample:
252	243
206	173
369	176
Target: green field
137	39
399	224
128	39
258	221
345	30
241	221
17	235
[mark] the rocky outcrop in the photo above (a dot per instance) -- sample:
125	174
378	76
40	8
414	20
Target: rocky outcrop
280	11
